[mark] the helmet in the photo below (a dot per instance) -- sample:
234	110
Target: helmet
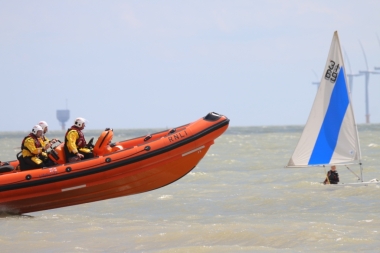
35	129
43	124
79	122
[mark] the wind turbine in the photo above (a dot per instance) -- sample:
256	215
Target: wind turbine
315	83
377	68
366	74
350	75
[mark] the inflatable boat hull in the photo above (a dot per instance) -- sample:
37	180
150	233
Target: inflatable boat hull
119	169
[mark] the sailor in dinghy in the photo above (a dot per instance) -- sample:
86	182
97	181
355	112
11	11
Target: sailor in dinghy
332	176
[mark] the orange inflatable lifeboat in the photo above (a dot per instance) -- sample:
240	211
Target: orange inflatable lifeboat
118	169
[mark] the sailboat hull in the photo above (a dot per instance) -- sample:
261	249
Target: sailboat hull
367	183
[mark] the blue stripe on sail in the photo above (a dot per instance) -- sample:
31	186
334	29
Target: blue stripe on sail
329	132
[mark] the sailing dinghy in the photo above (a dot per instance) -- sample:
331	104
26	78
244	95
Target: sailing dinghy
330	136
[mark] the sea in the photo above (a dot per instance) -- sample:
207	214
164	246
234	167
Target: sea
239	198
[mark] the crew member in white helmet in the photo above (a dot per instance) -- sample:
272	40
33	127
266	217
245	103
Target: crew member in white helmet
32	150
75	143
46	142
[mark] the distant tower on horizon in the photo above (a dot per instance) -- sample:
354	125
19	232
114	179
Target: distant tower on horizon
63	116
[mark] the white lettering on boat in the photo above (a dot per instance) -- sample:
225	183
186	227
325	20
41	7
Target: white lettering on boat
74	188
192	151
177	136
51	171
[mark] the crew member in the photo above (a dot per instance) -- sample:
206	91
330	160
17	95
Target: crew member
332	176
32	151
46	141
75	143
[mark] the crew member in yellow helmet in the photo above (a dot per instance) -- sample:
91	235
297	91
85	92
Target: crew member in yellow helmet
75	143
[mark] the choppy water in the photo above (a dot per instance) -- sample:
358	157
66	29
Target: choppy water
240	198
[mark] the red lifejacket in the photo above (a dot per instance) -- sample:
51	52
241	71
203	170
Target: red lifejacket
37	143
81	141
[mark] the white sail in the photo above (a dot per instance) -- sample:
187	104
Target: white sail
330	135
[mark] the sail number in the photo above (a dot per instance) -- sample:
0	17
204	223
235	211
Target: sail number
332	72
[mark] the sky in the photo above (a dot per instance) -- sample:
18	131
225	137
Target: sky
162	64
